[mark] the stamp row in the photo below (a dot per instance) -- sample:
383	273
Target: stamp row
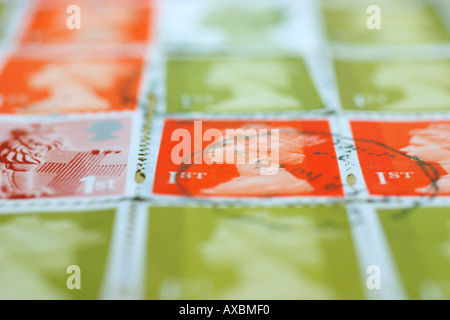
195	85
140	250
275	23
201	23
314	159
316	77
319	158
357	194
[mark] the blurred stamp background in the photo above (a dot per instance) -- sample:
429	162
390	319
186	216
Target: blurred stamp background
224	149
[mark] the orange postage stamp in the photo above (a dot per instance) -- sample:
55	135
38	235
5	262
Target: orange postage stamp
69	85
247	158
404	157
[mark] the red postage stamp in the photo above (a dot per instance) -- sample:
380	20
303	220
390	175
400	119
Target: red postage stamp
99	21
77	158
76	85
404	157
247	158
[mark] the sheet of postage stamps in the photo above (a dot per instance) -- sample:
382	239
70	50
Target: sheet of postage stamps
168	149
